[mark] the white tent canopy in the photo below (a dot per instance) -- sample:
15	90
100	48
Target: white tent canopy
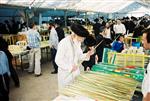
139	12
101	6
106	6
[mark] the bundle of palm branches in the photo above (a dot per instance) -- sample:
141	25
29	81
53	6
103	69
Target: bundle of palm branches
101	87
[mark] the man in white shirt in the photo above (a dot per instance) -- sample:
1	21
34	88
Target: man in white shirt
53	41
146	80
69	55
119	28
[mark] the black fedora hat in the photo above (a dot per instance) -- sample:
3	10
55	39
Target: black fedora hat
79	30
96	20
90	41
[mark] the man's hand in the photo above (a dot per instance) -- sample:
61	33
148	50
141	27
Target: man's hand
88	69
147	98
90	52
96	59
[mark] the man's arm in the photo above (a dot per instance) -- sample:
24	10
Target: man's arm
147	98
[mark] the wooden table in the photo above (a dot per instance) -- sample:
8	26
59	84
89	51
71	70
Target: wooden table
45	46
19	54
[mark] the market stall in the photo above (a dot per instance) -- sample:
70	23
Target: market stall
110	80
100	87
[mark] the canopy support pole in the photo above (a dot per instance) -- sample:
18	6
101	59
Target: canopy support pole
85	17
110	15
98	15
65	17
27	19
40	18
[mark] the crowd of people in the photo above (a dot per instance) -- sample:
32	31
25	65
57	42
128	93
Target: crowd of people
12	26
66	52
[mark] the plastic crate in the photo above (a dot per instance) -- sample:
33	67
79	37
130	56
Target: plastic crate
123	59
136	44
135	73
105	55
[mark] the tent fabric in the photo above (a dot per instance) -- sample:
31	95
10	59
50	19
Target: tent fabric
138	12
132	7
101	6
105	6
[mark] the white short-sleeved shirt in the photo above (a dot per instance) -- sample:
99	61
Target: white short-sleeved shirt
146	82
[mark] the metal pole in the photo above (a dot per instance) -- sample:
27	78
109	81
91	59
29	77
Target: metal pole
27	19
40	18
85	17
65	17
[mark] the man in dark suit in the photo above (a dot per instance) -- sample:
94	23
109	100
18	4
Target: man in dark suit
105	43
59	30
96	27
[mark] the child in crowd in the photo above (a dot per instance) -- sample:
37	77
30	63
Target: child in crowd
119	45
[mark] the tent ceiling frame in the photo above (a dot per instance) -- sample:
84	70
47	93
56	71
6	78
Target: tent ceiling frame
142	2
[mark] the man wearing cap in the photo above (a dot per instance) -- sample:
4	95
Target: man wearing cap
59	30
96	27
69	55
90	42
